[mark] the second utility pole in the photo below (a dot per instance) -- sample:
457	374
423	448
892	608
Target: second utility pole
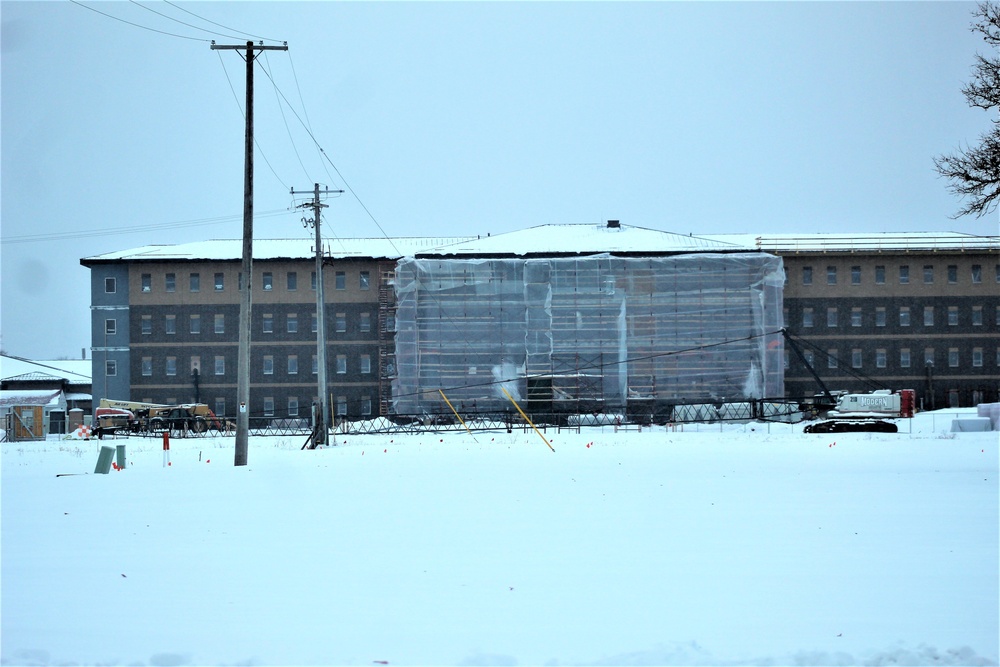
319	429
243	358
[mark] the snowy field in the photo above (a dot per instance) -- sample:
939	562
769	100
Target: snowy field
743	544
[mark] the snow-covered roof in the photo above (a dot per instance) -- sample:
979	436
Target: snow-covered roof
272	249
30	397
74	371
847	242
584	239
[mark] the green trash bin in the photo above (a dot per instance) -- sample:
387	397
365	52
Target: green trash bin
104	460
121	457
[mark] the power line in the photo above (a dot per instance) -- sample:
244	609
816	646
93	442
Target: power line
288	130
137	25
267	39
243	113
131	229
171	18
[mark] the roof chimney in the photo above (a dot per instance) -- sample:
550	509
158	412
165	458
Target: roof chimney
614	224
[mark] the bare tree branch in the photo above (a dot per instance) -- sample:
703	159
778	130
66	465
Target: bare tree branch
974	172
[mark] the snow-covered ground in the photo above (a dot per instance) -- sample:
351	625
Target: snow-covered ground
743	544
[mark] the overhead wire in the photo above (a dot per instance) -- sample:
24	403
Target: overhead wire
132	229
243	113
171	18
266	39
138	25
284	119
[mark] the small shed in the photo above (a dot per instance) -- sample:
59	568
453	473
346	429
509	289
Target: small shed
26	414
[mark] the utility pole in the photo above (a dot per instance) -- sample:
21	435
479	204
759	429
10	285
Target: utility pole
319	432
243	358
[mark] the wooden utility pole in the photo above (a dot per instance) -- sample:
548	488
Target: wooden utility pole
323	416
243	359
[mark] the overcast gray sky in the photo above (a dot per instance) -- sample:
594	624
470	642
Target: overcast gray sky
464	118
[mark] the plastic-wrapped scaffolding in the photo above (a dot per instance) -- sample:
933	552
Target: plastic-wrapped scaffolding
587	334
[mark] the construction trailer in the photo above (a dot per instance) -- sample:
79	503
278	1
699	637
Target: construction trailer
588	334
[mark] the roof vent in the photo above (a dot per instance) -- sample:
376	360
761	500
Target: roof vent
614	224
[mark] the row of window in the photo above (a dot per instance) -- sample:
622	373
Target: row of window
881	357
952	272
268	365
219	323
267	282
857	316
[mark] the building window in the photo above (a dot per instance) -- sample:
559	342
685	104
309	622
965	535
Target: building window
928	316
268	281
807	275
220	323
111	368
171	324
952	273
953	357
810	358
293	323
998	316
904	357
313	323
341	322
366	405
787	360
147	366
341	406
340	280
111	285
904	275
239	281
147	282
831	275
292	281
953	316
977	357
195	365
315	366
268	324
269	406
170	282
293	364
880	358
220	282
220	407
364	279
855	275
312	281
880	274
110	327
807	317
195	324
366	364
880	316
147	324
977	273
195	282
855	358
855	317
831	358
928	356
904	316
293	406
977	316
928	274
268	364
220	365
171	365
366	322
341	364
831	317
